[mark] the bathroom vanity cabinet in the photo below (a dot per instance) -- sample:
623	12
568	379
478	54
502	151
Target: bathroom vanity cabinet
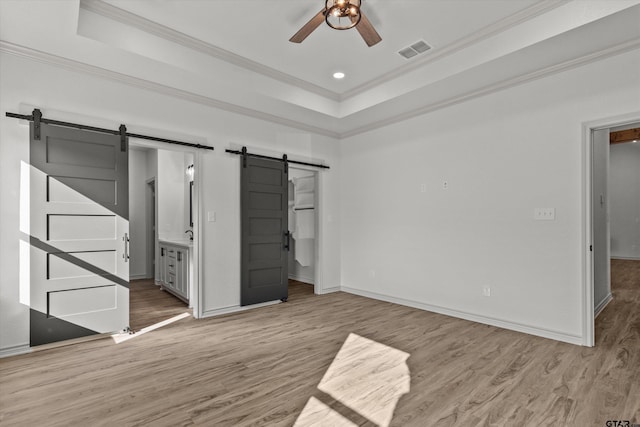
174	268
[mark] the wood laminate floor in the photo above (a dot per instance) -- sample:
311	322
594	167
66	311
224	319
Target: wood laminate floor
338	360
148	304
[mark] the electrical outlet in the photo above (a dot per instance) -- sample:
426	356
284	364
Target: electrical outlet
486	291
211	216
372	274
423	188
544	214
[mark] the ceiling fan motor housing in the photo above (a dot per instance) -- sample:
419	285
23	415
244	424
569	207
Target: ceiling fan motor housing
342	14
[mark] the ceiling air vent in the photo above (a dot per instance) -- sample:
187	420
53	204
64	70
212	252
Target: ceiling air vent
414	50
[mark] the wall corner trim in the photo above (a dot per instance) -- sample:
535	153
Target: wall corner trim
500	323
330	290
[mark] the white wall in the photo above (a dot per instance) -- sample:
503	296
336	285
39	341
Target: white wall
624	199
137	213
92	100
502	155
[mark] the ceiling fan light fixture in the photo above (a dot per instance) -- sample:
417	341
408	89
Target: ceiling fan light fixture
342	14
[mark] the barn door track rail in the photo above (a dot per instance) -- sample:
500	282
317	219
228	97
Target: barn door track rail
244	153
37	119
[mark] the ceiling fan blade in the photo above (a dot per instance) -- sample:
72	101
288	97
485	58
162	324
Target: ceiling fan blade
366	30
308	28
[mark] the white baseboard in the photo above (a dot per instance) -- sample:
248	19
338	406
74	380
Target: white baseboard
330	290
137	276
236	308
518	327
602	305
626	258
303	279
15	350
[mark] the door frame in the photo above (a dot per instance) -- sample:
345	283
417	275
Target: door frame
195	291
152	235
588	313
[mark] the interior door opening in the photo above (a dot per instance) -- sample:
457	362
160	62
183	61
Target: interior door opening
303	225
614	178
163	261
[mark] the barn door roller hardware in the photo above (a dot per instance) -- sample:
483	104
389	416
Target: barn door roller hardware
37	119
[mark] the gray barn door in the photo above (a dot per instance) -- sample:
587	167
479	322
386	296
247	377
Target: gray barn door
79	271
265	235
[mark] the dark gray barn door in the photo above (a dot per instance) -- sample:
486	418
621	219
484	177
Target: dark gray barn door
79	270
265	235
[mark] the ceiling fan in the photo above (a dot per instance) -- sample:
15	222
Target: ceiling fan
340	15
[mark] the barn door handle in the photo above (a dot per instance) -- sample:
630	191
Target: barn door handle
287	240
125	255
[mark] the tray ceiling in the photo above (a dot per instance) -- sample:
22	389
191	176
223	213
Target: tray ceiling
235	54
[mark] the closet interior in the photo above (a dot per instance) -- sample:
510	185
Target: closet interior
302	224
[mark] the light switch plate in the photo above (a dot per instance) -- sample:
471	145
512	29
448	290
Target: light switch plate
544	214
211	216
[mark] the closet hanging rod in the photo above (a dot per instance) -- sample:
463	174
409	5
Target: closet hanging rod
38	117
260	156
303	209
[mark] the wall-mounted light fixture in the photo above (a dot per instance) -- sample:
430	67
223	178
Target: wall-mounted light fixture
190	172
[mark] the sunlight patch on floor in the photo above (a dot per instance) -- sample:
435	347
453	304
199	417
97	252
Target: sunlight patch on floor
317	413
365	376
119	338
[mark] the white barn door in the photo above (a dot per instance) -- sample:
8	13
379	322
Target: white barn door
78	233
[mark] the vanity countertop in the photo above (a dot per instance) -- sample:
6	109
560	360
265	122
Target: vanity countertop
184	243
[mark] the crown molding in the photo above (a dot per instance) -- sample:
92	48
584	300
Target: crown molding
501	25
497	87
76	66
127	18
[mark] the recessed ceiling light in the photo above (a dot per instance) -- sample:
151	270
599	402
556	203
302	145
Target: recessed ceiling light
338	75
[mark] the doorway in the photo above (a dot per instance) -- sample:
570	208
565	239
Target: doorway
598	234
303	225
164	219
